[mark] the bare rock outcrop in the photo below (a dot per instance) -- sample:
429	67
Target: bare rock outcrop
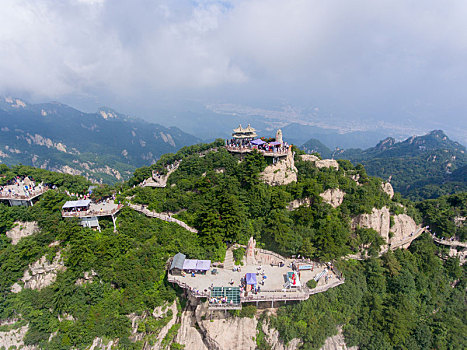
22	229
281	173
88	277
165	329
43	273
458	252
309	158
13	339
333	196
337	342
378	220
387	187
297	203
327	163
403	227
225	332
272	338
188	335
320	163
98	343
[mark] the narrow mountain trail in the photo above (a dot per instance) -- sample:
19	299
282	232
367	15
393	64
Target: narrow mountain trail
144	210
452	243
161	180
228	261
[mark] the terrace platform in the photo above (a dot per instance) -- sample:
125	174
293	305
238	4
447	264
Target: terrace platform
273	289
18	195
89	217
95	209
245	149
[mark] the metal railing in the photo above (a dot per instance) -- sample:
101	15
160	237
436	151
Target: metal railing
85	213
195	293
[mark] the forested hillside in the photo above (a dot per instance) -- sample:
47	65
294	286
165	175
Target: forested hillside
409	299
420	167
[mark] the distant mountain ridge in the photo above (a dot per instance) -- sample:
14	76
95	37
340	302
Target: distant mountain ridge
419	167
105	146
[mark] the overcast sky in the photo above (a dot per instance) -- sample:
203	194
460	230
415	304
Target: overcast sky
381	60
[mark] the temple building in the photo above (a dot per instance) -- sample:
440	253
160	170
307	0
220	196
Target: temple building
247	134
245	140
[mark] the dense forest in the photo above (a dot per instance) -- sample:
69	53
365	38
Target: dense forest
421	167
407	299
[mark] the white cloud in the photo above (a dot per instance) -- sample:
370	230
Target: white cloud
363	55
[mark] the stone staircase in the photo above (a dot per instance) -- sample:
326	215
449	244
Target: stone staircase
229	260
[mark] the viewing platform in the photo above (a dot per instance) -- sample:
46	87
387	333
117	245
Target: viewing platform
94	209
279	280
89	212
22	193
247	149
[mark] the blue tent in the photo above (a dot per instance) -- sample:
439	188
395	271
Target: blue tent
250	278
257	142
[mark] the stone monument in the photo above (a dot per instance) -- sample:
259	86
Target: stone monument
250	252
279	136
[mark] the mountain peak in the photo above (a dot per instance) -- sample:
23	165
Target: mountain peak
386	143
437	133
13	102
107	113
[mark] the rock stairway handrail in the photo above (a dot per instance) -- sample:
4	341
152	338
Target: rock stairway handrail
268	252
142	209
199	294
453	243
92	212
408	239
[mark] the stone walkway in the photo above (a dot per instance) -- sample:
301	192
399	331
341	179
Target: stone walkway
450	243
229	260
162	180
144	210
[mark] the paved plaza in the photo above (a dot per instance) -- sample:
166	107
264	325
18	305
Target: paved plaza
273	283
21	191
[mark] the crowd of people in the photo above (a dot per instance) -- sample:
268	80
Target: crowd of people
236	144
21	188
157	176
94	210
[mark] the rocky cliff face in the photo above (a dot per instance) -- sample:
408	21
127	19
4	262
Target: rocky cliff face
224	332
337	342
320	163
188	335
22	229
281	173
41	274
298	203
272	338
379	220
403	227
309	158
13	339
333	196
387	187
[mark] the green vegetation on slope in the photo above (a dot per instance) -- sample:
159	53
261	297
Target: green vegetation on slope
446	215
421	167
403	300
